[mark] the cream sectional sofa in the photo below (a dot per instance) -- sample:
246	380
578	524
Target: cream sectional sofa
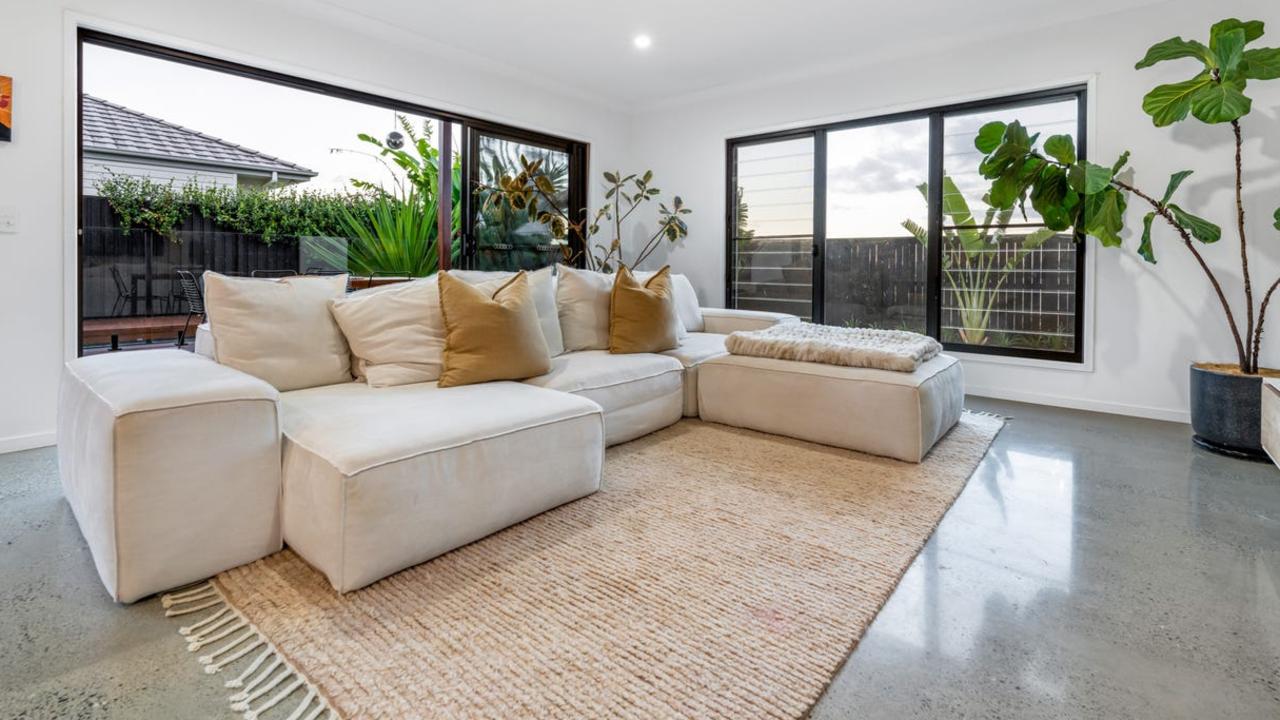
176	480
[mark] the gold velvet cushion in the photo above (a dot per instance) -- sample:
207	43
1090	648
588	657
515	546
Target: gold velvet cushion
642	318
491	335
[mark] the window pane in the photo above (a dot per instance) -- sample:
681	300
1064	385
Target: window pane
876	260
1007	282
960	158
773	227
510	239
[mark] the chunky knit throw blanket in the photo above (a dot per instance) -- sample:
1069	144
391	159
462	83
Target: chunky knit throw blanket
856	347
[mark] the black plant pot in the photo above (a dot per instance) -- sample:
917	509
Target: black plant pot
1226	412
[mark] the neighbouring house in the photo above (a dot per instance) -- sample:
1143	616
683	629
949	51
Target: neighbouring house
122	141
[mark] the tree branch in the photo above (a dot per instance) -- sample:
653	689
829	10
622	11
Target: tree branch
1262	316
1163	212
1244	252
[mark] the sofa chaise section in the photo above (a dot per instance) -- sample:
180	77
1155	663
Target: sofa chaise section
379	479
171	464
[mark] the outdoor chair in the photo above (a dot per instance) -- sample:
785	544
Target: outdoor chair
273	273
127	296
191	292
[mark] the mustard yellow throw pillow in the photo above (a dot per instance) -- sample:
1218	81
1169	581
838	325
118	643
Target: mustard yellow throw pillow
642	318
490	335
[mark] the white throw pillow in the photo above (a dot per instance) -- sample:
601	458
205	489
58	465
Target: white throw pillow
582	297
583	300
687	307
396	332
542	283
279	330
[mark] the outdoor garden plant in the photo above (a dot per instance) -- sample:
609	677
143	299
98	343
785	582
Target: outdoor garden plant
532	188
971	264
1072	193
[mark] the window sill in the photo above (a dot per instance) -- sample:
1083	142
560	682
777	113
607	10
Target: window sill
979	358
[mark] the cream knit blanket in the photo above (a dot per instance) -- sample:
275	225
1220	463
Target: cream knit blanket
856	347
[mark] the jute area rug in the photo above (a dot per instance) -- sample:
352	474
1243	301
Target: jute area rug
719	573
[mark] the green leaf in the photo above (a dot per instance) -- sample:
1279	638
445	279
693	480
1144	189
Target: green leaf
1220	103
1089	179
1200	229
1061	148
989	137
1104	216
1167	104
1036	238
1144	248
1174	181
1278	218
1252	30
1228	50
610	177
1120	163
1261	63
1173	49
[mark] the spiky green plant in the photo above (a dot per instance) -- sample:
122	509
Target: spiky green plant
971	264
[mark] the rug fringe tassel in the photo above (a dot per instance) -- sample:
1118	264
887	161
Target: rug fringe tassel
268	670
984	413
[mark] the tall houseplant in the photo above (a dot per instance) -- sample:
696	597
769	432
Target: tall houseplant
1072	193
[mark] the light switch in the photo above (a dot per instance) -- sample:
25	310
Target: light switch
8	219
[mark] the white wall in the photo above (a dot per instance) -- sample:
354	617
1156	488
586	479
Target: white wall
37	168
1150	321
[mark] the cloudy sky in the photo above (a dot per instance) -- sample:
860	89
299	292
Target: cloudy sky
873	173
294	125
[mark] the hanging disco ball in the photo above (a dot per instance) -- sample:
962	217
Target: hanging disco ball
395	140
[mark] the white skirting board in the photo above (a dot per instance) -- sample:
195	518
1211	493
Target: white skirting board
1142	411
27	442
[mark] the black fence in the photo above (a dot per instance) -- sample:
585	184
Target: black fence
1004	295
132	274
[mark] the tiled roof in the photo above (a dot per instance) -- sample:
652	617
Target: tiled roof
117	129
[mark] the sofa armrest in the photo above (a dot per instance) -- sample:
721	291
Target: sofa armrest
171	465
725	321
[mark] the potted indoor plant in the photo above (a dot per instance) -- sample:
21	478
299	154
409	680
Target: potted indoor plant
1073	194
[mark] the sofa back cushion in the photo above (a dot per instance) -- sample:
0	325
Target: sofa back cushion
279	330
396	332
642	318
542	283
490	335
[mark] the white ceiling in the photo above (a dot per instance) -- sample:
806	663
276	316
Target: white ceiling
584	48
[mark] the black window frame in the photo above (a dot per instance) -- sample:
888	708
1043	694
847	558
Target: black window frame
934	291
579	151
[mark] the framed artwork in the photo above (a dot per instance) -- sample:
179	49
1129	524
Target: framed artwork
6	108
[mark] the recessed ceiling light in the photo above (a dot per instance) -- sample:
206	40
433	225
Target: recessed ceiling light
642	42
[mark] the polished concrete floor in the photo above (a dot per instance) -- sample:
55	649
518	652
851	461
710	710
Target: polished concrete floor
1095	566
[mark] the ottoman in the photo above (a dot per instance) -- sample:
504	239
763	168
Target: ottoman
897	414
171	464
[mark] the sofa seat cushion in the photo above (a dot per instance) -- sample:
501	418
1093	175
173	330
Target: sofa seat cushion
897	414
640	392
355	428
698	347
380	479
695	349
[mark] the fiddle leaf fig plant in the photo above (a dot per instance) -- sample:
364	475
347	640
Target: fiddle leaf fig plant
1072	193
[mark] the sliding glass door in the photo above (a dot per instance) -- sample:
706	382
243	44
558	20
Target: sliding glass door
191	164
883	223
874	268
